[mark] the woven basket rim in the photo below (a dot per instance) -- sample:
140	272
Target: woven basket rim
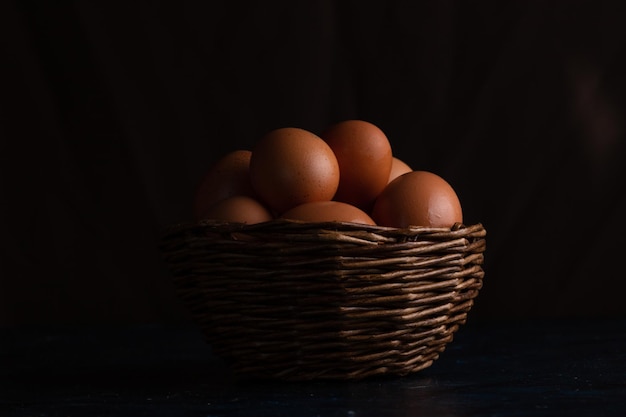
295	225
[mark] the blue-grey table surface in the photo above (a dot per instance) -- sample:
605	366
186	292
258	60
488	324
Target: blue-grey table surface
567	367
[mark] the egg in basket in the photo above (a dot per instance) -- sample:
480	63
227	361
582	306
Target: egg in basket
325	257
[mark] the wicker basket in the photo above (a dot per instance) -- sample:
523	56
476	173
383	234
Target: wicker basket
300	301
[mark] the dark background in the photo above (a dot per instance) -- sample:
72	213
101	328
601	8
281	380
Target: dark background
111	112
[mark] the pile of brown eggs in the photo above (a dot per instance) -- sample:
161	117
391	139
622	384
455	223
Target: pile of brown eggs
347	173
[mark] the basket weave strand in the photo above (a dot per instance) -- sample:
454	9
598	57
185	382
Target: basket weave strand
300	301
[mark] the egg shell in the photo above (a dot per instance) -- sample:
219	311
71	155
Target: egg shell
290	166
227	177
398	167
418	198
328	211
364	155
239	209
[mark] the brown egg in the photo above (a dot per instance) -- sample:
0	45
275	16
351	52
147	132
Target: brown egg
328	211
239	209
227	177
291	166
418	198
364	155
398	167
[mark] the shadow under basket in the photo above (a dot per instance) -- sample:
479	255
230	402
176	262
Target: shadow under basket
287	300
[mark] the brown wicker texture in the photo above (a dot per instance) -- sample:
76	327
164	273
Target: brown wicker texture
299	301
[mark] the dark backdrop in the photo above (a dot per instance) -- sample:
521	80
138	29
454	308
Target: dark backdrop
111	112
